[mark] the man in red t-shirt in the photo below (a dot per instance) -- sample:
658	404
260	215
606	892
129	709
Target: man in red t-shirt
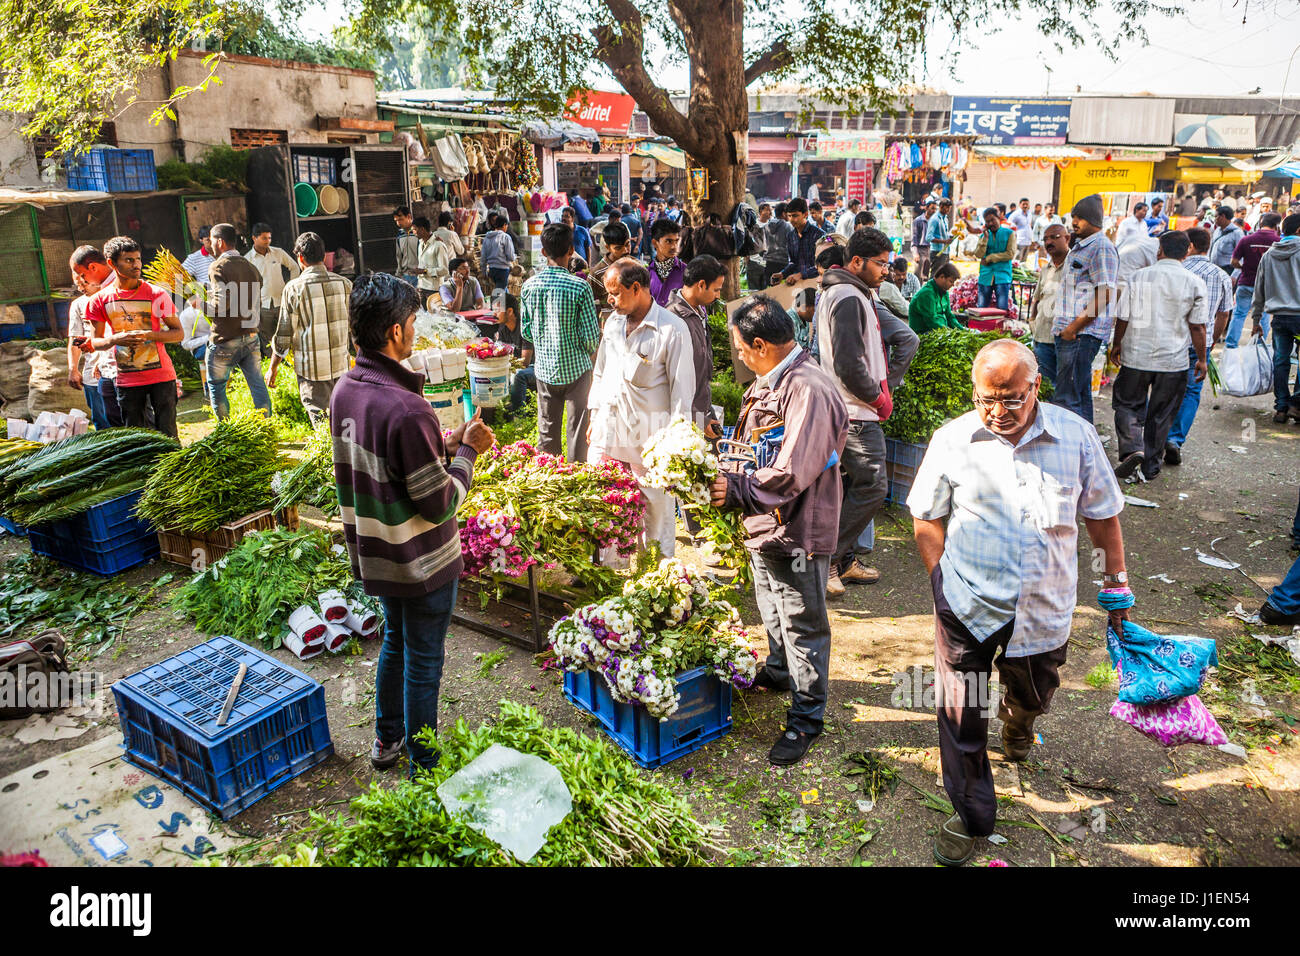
143	319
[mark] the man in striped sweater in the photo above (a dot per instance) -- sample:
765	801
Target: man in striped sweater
399	492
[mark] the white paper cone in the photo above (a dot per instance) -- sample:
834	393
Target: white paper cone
336	637
293	643
307	625
361	619
333	605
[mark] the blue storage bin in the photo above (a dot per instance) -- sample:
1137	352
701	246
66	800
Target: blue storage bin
113	170
902	461
23	330
277	728
12	527
106	540
703	715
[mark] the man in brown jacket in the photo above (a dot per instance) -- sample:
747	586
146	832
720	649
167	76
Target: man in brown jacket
701	286
234	308
790	499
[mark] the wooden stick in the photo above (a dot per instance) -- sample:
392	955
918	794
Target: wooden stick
230	697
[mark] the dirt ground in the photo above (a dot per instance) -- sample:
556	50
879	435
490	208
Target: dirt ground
1093	791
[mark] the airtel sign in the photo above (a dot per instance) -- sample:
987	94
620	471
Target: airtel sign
607	113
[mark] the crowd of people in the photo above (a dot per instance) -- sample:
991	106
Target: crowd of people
614	332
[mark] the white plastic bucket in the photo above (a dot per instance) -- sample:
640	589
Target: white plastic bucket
489	380
447	405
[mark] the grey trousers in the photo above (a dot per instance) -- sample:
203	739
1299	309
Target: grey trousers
315	395
791	596
862	471
1145	404
552	402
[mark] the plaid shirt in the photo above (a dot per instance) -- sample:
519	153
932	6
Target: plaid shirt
1013	536
1218	287
558	315
1091	263
314	321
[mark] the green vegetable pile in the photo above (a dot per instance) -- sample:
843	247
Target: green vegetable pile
68	477
288	414
937	386
216	479
38	592
620	816
250	593
311	480
521	426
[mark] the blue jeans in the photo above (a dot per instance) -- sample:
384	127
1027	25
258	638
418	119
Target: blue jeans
1191	402
1241	309
112	410
1074	374
246	353
1286	596
524	381
499	276
410	669
1286	332
95	402
986	293
1295	526
1045	352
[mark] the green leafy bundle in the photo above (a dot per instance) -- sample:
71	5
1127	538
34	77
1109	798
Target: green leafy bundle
217	479
937	387
620	816
250	593
68	477
311	481
289	416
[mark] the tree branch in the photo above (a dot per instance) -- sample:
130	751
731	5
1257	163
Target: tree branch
773	58
621	48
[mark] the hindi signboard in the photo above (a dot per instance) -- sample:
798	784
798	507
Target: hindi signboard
1012	121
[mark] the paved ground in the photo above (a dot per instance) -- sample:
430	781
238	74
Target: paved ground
1094	792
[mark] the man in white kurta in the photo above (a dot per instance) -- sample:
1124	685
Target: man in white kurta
644	375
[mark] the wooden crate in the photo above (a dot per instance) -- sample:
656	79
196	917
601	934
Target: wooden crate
196	550
520	613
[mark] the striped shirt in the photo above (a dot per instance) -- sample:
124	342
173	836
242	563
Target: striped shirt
1012	542
1093	262
314	322
558	315
397	498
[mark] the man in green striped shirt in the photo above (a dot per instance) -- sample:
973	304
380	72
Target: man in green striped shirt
558	315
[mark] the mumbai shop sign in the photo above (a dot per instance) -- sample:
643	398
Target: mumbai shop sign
1012	121
609	114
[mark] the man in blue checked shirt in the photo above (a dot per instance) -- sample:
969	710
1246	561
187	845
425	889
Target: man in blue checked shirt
995	508
1084	307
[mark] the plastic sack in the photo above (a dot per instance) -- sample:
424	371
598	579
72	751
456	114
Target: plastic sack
1154	668
1184	721
513	799
1248	369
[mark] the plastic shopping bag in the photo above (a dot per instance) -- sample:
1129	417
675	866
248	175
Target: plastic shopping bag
1183	721
1248	369
1155	668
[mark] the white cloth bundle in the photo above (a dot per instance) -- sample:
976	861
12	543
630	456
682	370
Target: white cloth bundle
336	637
304	652
361	619
307	625
333	605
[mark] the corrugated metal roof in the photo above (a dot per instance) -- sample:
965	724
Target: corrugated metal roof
1276	124
1031	152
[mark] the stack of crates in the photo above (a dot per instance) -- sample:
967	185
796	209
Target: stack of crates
113	170
276	730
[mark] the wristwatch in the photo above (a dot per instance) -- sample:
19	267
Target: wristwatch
1120	578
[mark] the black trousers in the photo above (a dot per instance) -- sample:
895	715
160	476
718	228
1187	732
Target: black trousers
553	401
135	400
1145	404
962	667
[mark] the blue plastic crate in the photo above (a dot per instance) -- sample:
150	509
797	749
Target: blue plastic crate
902	461
703	715
277	728
107	539
12	527
20	330
113	170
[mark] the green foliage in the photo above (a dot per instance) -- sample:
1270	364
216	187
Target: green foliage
311	481
222	166
288	416
720	337
727	394
250	593
407	55
219	478
37	593
521	426
937	387
620	816
1100	677
253	31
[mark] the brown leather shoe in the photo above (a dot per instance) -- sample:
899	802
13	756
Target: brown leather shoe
953	846
860	574
834	586
1016	742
